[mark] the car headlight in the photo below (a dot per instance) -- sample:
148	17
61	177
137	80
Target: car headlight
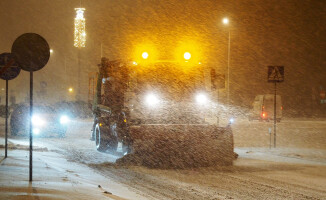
201	99
152	100
36	131
64	119
37	121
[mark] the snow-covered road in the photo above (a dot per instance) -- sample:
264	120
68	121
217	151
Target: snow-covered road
294	170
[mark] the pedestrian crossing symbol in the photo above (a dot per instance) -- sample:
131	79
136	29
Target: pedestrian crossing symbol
275	74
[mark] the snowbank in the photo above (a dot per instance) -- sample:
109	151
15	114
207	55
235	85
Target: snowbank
54	178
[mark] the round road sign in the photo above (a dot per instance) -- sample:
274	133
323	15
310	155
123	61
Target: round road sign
11	71
31	51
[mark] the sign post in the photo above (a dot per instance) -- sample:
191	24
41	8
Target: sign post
322	95
8	71
270	137
275	74
32	52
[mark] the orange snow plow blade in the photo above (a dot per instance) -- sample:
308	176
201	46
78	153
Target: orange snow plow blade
180	146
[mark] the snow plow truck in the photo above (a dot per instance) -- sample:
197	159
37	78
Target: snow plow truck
159	114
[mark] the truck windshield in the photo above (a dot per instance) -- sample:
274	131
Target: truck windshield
171	80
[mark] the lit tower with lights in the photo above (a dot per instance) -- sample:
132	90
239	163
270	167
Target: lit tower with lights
79	40
80	28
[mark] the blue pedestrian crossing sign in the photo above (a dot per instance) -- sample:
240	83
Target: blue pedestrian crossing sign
275	74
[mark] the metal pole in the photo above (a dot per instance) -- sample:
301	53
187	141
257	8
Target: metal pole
270	137
6	129
78	84
101	51
30	130
275	116
228	95
270	140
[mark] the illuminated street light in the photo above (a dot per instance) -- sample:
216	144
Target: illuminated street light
187	56
51	50
144	55
80	28
225	20
70	90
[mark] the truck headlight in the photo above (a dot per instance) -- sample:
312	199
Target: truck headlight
151	100
64	119
37	121
201	99
36	131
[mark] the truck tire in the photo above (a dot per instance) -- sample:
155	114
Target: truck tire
101	143
113	142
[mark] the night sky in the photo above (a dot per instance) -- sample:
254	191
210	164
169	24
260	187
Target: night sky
290	33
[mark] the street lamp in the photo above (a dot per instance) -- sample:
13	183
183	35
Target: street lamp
226	22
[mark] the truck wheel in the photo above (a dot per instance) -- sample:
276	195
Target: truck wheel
101	143
113	142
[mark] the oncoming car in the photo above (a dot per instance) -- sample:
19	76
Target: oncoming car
45	121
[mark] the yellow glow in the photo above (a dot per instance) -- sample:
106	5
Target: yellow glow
225	20
188	52
134	63
144	55
70	90
80	30
51	50
101	124
187	55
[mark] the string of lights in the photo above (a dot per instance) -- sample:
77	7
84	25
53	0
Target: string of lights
80	28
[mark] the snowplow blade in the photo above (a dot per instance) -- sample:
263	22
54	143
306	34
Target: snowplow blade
180	146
